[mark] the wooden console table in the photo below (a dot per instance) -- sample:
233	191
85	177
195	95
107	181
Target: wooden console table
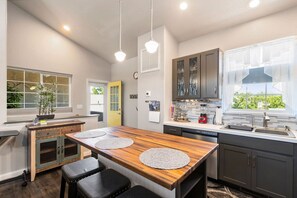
48	147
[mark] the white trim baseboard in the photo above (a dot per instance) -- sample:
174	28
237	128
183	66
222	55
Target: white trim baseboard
12	174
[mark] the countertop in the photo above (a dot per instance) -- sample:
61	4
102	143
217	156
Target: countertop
222	129
197	150
54	124
55	119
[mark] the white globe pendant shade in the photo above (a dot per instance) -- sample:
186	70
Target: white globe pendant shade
151	46
120	56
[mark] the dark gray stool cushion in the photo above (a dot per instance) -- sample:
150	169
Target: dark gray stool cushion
138	192
108	183
80	169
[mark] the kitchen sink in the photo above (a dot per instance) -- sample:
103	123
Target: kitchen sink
268	131
274	132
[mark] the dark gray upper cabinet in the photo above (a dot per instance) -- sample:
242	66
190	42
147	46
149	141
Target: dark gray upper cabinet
196	76
210	74
186	77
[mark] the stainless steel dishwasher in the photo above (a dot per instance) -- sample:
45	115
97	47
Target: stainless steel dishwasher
212	161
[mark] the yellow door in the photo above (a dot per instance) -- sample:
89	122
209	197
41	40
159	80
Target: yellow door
114	104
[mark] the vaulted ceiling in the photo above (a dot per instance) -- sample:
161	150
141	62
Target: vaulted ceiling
94	23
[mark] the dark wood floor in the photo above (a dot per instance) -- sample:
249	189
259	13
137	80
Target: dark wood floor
46	185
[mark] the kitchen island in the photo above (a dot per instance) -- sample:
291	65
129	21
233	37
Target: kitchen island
188	181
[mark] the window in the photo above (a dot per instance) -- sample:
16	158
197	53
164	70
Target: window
22	95
261	77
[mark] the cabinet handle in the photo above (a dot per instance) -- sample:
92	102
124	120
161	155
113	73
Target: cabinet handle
248	162
215	90
254	162
58	150
62	149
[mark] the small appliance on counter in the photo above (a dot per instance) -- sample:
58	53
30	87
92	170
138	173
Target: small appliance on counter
218	117
203	115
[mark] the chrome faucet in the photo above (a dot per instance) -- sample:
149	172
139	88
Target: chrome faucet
265	120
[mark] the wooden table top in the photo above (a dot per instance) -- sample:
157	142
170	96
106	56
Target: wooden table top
197	150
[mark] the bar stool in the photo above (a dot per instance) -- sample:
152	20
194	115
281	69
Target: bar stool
107	183
138	192
73	172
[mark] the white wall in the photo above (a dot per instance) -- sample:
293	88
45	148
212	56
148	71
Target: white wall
170	52
124	71
32	44
3	34
158	82
263	29
151	81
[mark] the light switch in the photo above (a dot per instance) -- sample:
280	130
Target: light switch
79	106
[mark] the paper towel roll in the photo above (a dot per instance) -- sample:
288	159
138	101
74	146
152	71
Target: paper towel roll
219	115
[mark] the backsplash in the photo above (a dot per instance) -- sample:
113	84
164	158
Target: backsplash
192	111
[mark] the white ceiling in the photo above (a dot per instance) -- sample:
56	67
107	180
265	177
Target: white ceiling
94	23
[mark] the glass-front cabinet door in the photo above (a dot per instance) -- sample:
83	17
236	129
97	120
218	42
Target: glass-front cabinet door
186	77
69	149
194	71
47	152
179	78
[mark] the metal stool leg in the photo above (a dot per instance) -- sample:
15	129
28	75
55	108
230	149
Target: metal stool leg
72	191
62	189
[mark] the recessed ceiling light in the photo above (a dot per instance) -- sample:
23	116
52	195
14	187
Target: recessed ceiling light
254	3
183	5
67	28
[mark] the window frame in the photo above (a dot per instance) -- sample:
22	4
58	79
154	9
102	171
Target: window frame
23	110
227	101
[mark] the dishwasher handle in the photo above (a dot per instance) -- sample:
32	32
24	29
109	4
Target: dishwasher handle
203	133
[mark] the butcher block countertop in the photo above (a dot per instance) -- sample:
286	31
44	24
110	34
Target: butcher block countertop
197	150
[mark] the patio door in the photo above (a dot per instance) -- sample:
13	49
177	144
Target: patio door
114	104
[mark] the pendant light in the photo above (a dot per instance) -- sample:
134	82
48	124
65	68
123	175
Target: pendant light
151	46
120	55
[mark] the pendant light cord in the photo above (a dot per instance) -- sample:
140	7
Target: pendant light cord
120	11
152	15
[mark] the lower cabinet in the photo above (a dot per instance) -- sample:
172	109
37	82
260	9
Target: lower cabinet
235	165
54	151
263	172
272	174
172	130
49	147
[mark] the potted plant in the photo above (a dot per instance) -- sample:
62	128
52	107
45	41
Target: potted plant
46	99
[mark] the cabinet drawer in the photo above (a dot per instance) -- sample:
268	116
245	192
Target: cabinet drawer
71	129
278	147
172	130
44	133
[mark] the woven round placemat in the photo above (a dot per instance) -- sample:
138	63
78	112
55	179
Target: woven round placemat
90	134
114	143
164	158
